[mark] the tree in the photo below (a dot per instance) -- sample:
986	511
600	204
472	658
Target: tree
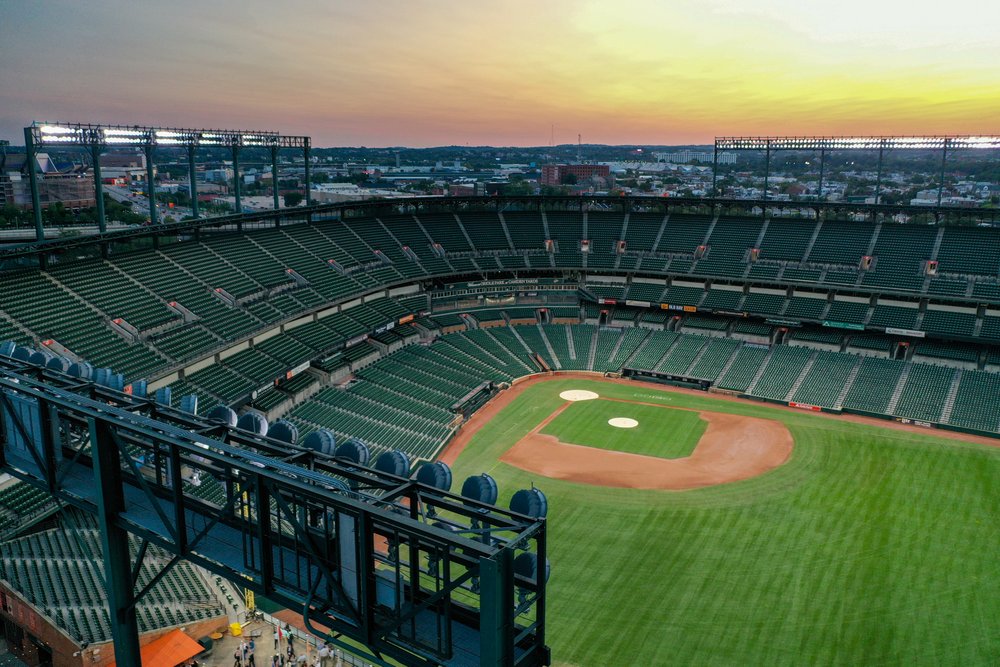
568	179
518	188
293	199
551	190
12	216
56	214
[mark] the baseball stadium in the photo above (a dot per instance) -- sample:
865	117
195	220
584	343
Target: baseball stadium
728	432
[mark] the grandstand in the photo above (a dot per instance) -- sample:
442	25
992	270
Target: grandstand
59	572
379	322
227	316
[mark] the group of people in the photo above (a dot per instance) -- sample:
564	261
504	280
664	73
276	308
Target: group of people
243	656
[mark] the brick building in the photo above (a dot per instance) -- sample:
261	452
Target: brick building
555	174
73	187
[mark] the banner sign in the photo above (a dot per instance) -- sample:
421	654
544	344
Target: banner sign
904	332
508	282
295	371
843	325
914	422
674	306
357	339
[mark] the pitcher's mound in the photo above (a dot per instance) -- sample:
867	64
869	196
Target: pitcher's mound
623	422
578	395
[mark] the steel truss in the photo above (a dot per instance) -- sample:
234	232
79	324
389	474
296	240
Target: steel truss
943	143
415	574
96	138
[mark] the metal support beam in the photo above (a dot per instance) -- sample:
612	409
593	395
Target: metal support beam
306	154
496	602
236	180
315	550
878	177
944	157
117	562
36	200
192	182
822	164
95	154
274	176
150	185
264	531
715	169
767	168
927	142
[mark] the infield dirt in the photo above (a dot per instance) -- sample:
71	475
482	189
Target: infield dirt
734	447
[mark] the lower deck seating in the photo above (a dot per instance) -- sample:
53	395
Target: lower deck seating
60	571
976	401
743	368
22	506
874	385
826	379
783	369
925	392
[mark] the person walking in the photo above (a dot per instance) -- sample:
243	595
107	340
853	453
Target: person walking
236	658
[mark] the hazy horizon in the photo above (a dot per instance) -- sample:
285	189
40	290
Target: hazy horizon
445	73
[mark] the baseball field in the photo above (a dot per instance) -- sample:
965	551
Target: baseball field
840	543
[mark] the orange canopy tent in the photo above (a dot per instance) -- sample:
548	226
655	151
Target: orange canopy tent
170	650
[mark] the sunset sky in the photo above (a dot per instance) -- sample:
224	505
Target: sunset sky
435	72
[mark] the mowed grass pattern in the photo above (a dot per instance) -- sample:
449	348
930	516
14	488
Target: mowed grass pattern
869	547
661	432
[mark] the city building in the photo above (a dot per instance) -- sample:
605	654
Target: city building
726	157
130	167
556	174
221	175
73	187
330	193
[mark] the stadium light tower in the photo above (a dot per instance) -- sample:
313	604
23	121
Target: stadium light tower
823	144
98	137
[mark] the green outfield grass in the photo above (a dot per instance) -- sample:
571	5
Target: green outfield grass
869	547
662	432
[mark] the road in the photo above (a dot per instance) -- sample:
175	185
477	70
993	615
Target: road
140	203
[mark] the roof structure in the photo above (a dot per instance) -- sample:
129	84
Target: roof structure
170	650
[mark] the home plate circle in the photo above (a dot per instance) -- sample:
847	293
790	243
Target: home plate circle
623	422
578	395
